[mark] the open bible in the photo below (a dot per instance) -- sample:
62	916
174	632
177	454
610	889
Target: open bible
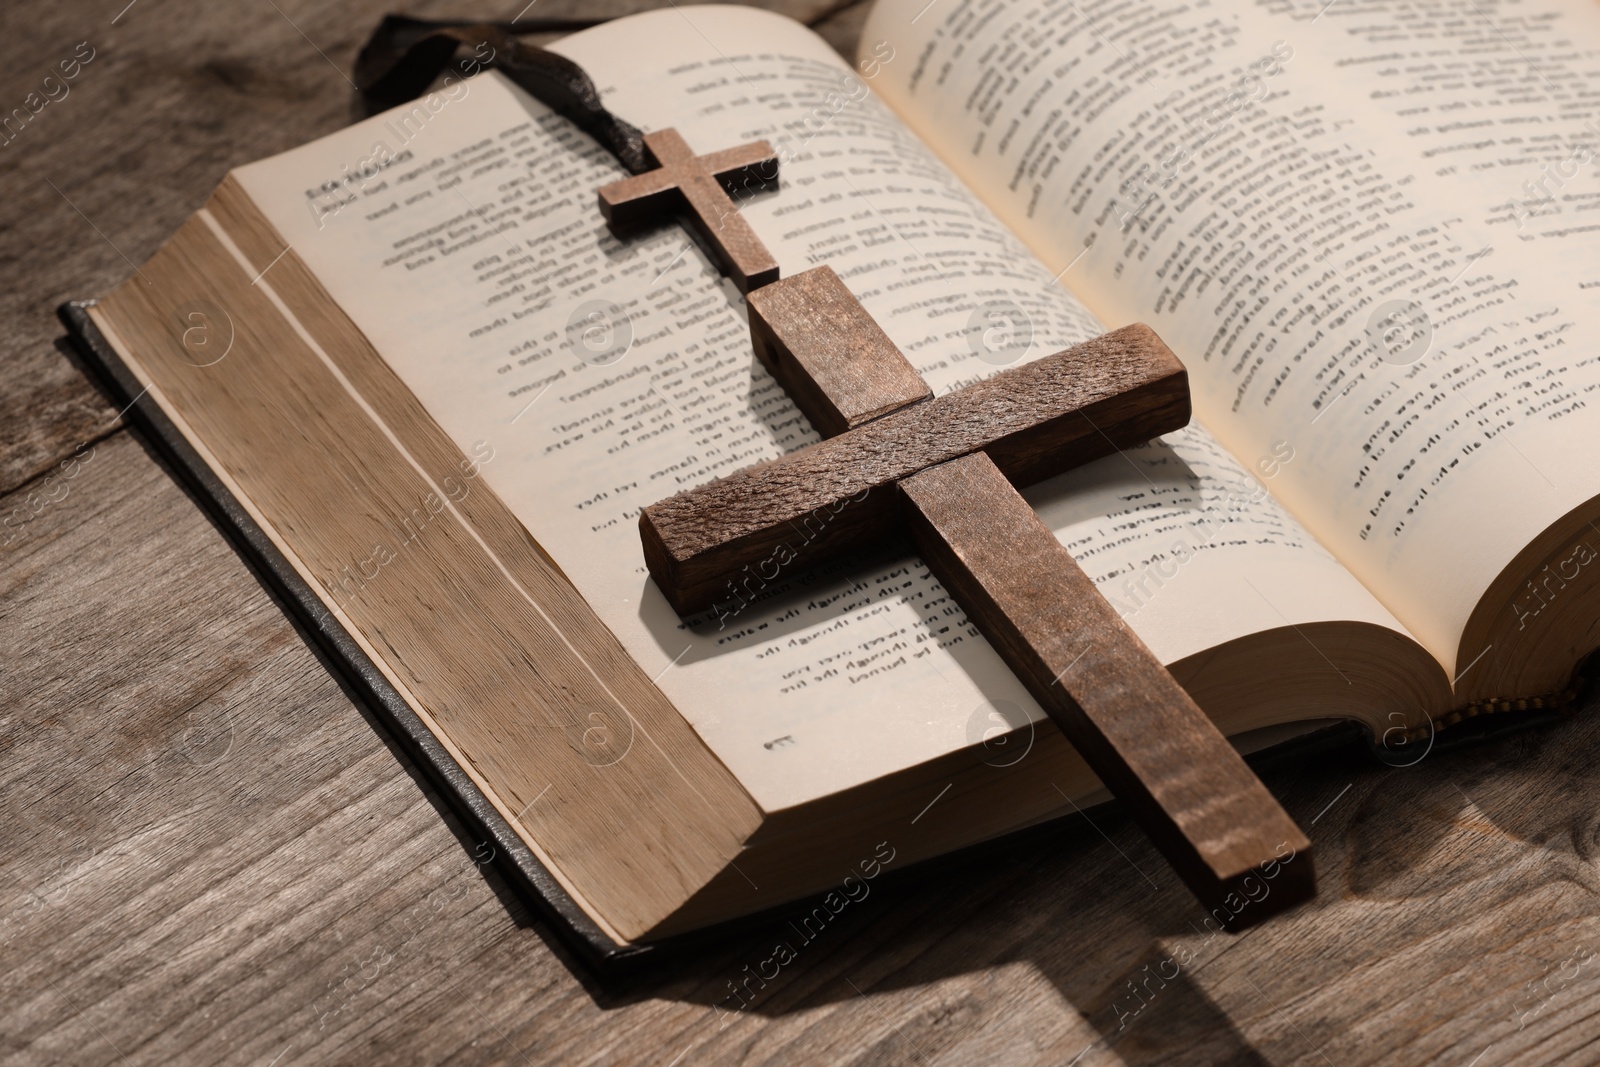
430	393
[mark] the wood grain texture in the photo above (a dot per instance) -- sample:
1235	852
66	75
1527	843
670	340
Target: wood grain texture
99	178
210	857
710	543
694	189
830	356
1223	833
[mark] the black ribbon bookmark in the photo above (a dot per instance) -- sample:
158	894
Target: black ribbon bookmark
404	55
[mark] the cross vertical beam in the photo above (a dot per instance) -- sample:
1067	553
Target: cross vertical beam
846	371
1125	714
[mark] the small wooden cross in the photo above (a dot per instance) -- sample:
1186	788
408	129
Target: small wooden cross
692	187
896	459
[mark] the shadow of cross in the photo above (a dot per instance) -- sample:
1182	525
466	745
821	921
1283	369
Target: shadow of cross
894	459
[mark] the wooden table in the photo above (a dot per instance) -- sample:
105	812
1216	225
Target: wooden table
211	856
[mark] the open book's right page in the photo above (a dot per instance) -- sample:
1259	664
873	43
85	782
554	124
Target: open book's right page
1364	225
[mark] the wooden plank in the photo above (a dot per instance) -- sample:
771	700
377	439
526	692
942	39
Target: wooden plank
1034	421
832	358
86	202
1223	833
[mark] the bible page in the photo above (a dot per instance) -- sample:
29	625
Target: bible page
1365	226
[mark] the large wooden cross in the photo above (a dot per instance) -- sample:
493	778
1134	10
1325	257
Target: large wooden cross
896	459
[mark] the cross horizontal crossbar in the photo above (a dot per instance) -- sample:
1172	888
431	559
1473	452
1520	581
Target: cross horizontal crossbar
1033	421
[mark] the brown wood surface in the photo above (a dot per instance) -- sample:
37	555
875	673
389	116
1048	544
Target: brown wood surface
691	187
209	855
1207	812
1034	421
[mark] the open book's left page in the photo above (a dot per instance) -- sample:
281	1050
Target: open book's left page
611	375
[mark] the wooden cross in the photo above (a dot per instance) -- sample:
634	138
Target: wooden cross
692	187
896	459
